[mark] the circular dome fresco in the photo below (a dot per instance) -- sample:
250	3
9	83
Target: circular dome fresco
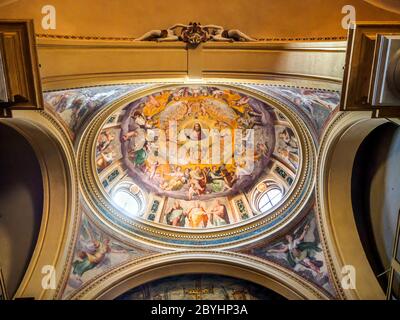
196	158
186	165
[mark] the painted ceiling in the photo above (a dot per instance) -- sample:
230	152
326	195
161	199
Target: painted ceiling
159	202
200	153
200	287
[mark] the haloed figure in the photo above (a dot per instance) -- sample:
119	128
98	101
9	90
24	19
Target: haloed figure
196	134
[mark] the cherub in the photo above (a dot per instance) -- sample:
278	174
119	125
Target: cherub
300	252
93	252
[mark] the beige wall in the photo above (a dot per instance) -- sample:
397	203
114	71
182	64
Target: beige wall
259	18
390	5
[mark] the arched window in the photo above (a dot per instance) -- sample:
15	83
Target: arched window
269	199
131	204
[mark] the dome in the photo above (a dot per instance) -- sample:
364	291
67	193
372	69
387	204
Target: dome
184	164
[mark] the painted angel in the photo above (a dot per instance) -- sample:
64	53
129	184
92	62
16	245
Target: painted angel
300	252
93	252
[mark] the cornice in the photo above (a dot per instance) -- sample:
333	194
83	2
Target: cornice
130	39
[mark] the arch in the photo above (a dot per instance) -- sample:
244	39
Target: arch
376	197
54	153
21	206
132	274
334	173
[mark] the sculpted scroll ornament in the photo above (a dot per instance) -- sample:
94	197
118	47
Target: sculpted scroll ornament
194	34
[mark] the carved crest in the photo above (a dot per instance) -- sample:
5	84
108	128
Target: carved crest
194	33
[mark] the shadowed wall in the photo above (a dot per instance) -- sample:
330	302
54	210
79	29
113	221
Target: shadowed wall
21	205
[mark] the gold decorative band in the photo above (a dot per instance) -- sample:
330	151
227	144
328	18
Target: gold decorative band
94	38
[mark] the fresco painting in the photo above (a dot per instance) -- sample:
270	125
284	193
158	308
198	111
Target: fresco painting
96	253
73	107
245	136
299	251
200	287
318	105
287	146
131	141
108	149
198	214
194	193
202	116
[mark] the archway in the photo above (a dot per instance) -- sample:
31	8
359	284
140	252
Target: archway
21	206
200	287
132	274
376	196
334	183
57	208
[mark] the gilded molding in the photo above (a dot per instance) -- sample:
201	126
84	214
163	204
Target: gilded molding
77	216
321	226
128	39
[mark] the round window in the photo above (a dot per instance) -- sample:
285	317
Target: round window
269	199
129	203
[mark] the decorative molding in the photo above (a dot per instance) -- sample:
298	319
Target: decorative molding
194	33
128	39
304	39
20	77
322	228
307	62
363	56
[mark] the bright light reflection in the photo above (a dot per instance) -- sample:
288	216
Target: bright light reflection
127	202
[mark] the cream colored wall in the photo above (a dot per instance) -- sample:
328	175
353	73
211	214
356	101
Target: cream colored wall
74	63
390	5
259	18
